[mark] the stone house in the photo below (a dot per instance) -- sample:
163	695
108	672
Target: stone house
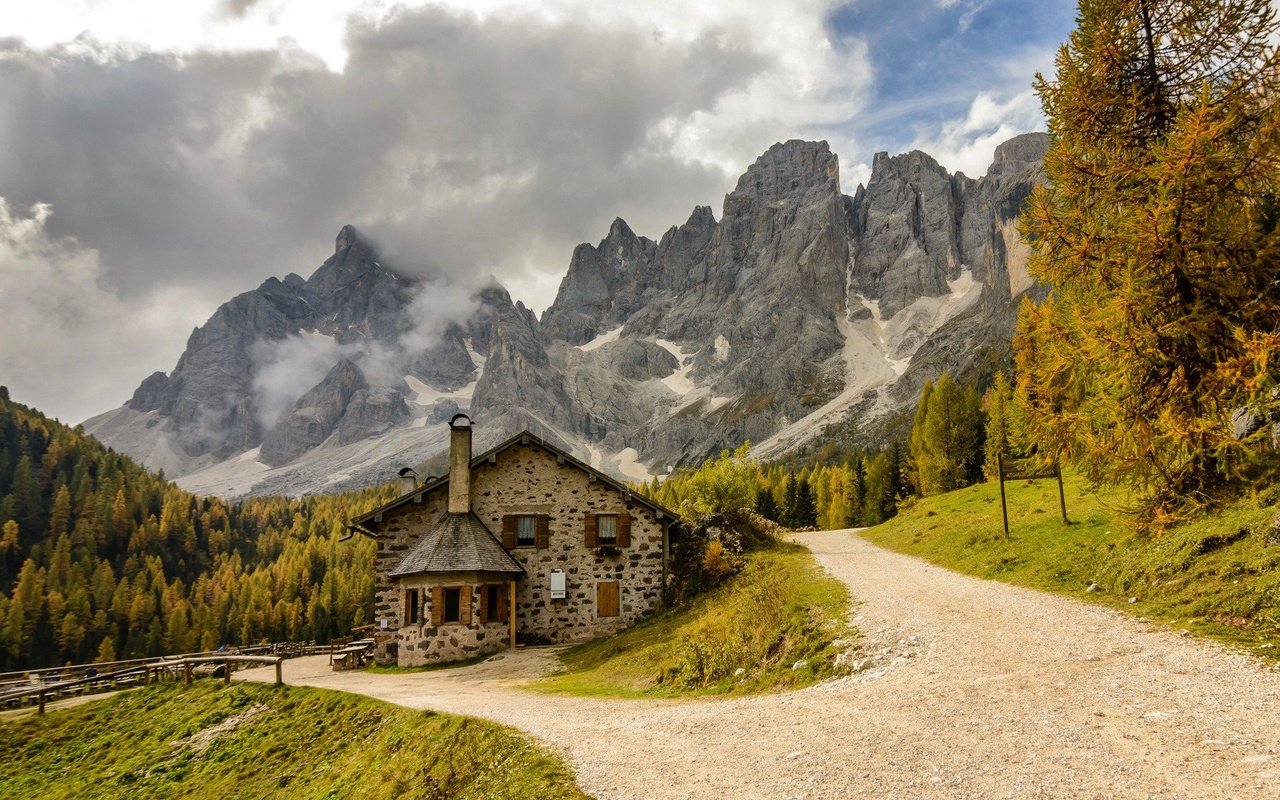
521	543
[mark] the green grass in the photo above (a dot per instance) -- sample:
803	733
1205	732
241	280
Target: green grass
304	743
1215	575
782	608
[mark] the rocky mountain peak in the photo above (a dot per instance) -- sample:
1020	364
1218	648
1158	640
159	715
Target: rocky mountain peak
907	166
346	237
789	169
620	230
1025	150
151	393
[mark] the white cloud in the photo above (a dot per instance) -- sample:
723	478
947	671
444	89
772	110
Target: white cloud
68	339
195	148
967	143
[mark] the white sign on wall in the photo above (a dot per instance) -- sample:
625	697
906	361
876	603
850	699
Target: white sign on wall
557	584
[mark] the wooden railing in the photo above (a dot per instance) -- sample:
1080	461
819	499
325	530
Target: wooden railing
41	684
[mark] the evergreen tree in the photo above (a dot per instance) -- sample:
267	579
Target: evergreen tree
766	506
946	439
806	511
998	404
791	504
1157	232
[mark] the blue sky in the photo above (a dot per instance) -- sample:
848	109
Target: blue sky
931	60
170	155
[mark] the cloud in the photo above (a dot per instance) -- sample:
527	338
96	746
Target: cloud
466	137
58	316
966	144
285	369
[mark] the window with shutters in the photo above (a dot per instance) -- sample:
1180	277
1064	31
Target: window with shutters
606	529
411	607
493	605
452	604
526	530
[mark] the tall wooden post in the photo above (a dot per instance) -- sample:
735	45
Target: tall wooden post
1004	508
511	608
1062	497
279	673
42	702
226	672
186	672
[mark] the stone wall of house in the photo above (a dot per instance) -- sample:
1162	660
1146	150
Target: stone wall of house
424	643
527	479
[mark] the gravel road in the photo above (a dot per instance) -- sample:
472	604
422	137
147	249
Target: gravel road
969	689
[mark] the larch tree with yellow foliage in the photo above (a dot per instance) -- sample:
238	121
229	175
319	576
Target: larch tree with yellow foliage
1157	234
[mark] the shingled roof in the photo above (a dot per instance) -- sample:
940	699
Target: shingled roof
456	543
524	437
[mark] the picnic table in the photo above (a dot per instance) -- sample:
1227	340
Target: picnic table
354	655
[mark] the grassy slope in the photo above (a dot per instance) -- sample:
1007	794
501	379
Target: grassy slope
308	743
780	609
1215	576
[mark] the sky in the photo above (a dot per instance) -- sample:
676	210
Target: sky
161	157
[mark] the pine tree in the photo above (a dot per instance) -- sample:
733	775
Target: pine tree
945	442
790	503
998	404
806	511
1157	233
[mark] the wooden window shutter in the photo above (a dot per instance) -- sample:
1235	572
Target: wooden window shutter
542	535
464	605
509	531
485	611
590	525
437	606
624	530
607	599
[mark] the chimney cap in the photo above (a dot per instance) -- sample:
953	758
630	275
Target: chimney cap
407	471
453	423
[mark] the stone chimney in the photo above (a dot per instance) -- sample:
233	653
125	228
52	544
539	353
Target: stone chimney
460	464
408	480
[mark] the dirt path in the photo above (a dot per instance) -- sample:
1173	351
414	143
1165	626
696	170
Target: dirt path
974	689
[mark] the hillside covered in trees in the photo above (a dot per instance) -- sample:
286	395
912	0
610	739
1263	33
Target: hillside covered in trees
100	558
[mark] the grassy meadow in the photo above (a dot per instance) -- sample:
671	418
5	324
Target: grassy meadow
747	635
1218	575
256	741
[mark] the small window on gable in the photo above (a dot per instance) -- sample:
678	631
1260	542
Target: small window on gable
452	604
607	528
526	530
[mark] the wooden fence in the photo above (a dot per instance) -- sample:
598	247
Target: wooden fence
41	684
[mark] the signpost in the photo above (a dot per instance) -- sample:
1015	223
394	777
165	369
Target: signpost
1027	469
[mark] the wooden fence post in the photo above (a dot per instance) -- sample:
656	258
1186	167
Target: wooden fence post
42	702
1004	508
186	672
1062	497
279	671
226	672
